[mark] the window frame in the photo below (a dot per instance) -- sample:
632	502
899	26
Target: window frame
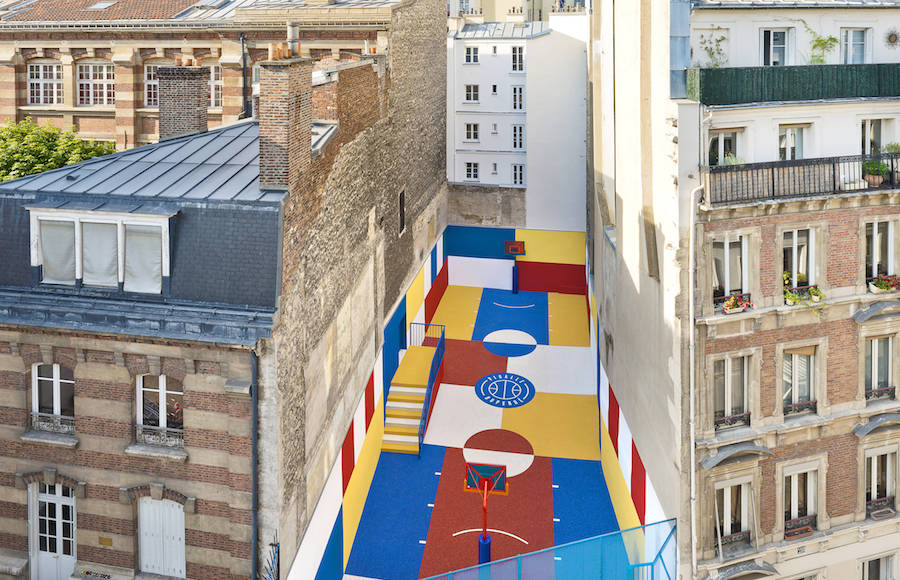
847	43
42	83
37	215
726	242
518	137
871	268
107	84
868	144
154	82
795	133
727	364
518	98
471	168
216	86
472	132
518	58
818	463
793	475
811	255
889	566
518	174
163	392
819	367
56	382
720	145
471	55
870	354
471	94
768	47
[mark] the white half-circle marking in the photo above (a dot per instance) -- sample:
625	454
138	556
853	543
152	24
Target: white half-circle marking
514	306
515	463
510	336
459	533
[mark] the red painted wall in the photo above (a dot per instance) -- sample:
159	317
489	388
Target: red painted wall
436	293
546	277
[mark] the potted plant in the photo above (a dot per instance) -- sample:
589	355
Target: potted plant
874	172
736	303
815	294
884	283
791	298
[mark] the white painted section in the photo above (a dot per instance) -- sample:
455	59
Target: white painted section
420	314
426	270
743	33
625	449
604	395
440	252
551	369
161	537
481	272
515	463
458	414
510	336
379	377
653	511
359	427
312	547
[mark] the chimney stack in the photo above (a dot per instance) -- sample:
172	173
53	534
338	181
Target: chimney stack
285	122
183	100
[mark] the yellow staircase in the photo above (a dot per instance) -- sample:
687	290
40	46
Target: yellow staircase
406	400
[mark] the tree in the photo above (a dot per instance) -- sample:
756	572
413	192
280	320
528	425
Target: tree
27	148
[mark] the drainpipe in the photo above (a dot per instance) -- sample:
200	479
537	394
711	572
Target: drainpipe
254	464
692	379
245	113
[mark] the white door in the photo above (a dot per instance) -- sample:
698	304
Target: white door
161	533
53	536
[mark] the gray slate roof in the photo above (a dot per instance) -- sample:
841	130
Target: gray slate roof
795	3
504	30
217	10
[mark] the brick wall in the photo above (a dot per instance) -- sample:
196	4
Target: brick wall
183	98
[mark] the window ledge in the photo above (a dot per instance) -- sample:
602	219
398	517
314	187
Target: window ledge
236	387
95	570
46	437
13	562
149	576
155	452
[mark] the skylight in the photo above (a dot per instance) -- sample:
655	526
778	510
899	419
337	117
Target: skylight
103	5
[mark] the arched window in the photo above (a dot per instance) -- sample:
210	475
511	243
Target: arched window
45	82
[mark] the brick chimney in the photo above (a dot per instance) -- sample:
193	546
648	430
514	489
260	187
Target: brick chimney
285	122
183	100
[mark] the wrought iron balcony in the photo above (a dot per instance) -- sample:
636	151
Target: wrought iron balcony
732	420
878	504
880	393
159	436
732	543
800	522
801	178
800	407
62	424
765	84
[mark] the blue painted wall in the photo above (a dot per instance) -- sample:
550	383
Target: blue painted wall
332	565
394	340
477	242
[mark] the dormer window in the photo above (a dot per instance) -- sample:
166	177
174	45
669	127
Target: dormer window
100	250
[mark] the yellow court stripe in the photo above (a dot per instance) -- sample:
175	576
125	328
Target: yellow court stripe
552	247
623	505
568	320
361	479
458	310
415	296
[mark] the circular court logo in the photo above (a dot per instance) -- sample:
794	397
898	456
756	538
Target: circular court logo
504	390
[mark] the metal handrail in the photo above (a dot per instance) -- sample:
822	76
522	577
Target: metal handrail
63	424
160	436
419	332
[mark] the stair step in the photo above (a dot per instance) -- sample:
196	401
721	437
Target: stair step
405	398
407	390
404	413
400	422
397	448
402	430
404	405
401	439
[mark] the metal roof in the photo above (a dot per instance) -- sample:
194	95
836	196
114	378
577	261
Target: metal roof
221	165
795	3
213	10
504	30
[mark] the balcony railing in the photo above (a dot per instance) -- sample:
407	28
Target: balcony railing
880	393
159	436
800	522
800	407
878	504
731	86
62	424
732	420
733	541
802	177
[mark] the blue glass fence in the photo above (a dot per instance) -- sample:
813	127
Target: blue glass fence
421	334
645	553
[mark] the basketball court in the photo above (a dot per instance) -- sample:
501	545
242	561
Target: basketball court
519	391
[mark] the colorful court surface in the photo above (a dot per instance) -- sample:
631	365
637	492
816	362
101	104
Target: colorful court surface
519	390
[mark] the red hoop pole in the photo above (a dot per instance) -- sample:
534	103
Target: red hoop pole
484	509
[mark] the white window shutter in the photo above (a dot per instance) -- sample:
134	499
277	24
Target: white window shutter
100	254
143	259
58	249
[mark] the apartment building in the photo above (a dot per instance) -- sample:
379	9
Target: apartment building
511	10
516	110
92	65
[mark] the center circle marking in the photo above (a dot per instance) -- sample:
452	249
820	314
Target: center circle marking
504	390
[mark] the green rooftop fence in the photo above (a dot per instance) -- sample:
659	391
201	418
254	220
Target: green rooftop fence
760	84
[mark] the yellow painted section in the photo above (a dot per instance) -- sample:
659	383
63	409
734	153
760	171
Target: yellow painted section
361	479
414	368
552	247
415	296
568	320
623	505
558	425
458	310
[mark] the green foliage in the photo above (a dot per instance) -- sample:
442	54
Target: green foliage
712	46
891	148
874	167
27	148
820	46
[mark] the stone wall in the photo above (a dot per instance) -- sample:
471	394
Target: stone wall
346	260
472	205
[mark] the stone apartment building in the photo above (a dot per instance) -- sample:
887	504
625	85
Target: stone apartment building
240	256
773	184
92	65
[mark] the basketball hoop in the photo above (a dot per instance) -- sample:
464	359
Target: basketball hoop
485	479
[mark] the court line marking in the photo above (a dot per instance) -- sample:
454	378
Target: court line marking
490	530
509	306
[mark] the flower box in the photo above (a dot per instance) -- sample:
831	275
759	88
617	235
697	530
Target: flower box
876	290
733	310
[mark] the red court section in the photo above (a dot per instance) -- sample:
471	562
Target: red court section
546	277
467	361
436	293
526	512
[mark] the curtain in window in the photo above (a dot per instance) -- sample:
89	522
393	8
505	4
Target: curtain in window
58	248
143	259
737	386
99	254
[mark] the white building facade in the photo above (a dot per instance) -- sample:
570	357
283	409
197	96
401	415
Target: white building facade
516	115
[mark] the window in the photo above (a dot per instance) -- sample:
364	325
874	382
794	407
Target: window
800	492
870	138
472	93
722	147
517	94
161	537
101	251
151	84
55	531
878	368
215	87
471	131
493	168
52	399
493	89
494	128
471	55
853	45
494	49
518	58
472	171
45	84
518	174
880	481
160	411
402	210
790	143
798	258
774	47
732	505
730	384
96	84
797	380
878	569
518	136
729	267
879	249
